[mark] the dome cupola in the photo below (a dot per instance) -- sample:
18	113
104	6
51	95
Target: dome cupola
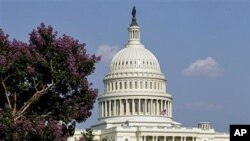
134	56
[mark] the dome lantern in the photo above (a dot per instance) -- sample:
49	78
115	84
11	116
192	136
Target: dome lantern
134	30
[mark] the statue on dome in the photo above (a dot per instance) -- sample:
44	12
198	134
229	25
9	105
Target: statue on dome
133	12
134	23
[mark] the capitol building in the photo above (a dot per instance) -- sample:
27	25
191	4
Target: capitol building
136	105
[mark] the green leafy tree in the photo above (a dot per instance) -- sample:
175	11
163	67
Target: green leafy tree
44	88
88	135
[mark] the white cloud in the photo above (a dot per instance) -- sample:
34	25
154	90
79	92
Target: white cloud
203	67
107	52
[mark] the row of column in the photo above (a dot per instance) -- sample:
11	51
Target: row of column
120	107
123	85
166	138
134	34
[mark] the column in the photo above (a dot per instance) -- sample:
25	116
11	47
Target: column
181	138
157	105
164	138
162	105
139	106
100	110
185	138
115	107
152	107
170	109
173	138
123	107
120	106
127	107
145	106
109	108
133	106
165	105
106	108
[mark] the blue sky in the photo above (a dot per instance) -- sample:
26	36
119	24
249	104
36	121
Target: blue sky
203	47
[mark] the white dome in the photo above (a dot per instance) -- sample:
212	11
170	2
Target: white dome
134	57
134	87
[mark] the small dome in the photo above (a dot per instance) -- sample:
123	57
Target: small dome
134	57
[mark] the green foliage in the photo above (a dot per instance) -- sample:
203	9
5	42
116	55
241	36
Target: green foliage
88	135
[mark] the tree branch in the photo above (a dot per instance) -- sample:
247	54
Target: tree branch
46	115
14	110
34	98
6	94
34	83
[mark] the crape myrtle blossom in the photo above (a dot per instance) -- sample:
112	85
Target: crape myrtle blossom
44	86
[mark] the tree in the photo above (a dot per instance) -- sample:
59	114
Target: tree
44	86
88	135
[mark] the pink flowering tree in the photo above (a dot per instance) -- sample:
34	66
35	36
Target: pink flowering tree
44	88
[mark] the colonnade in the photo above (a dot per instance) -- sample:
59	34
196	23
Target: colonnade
134	34
136	106
167	138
